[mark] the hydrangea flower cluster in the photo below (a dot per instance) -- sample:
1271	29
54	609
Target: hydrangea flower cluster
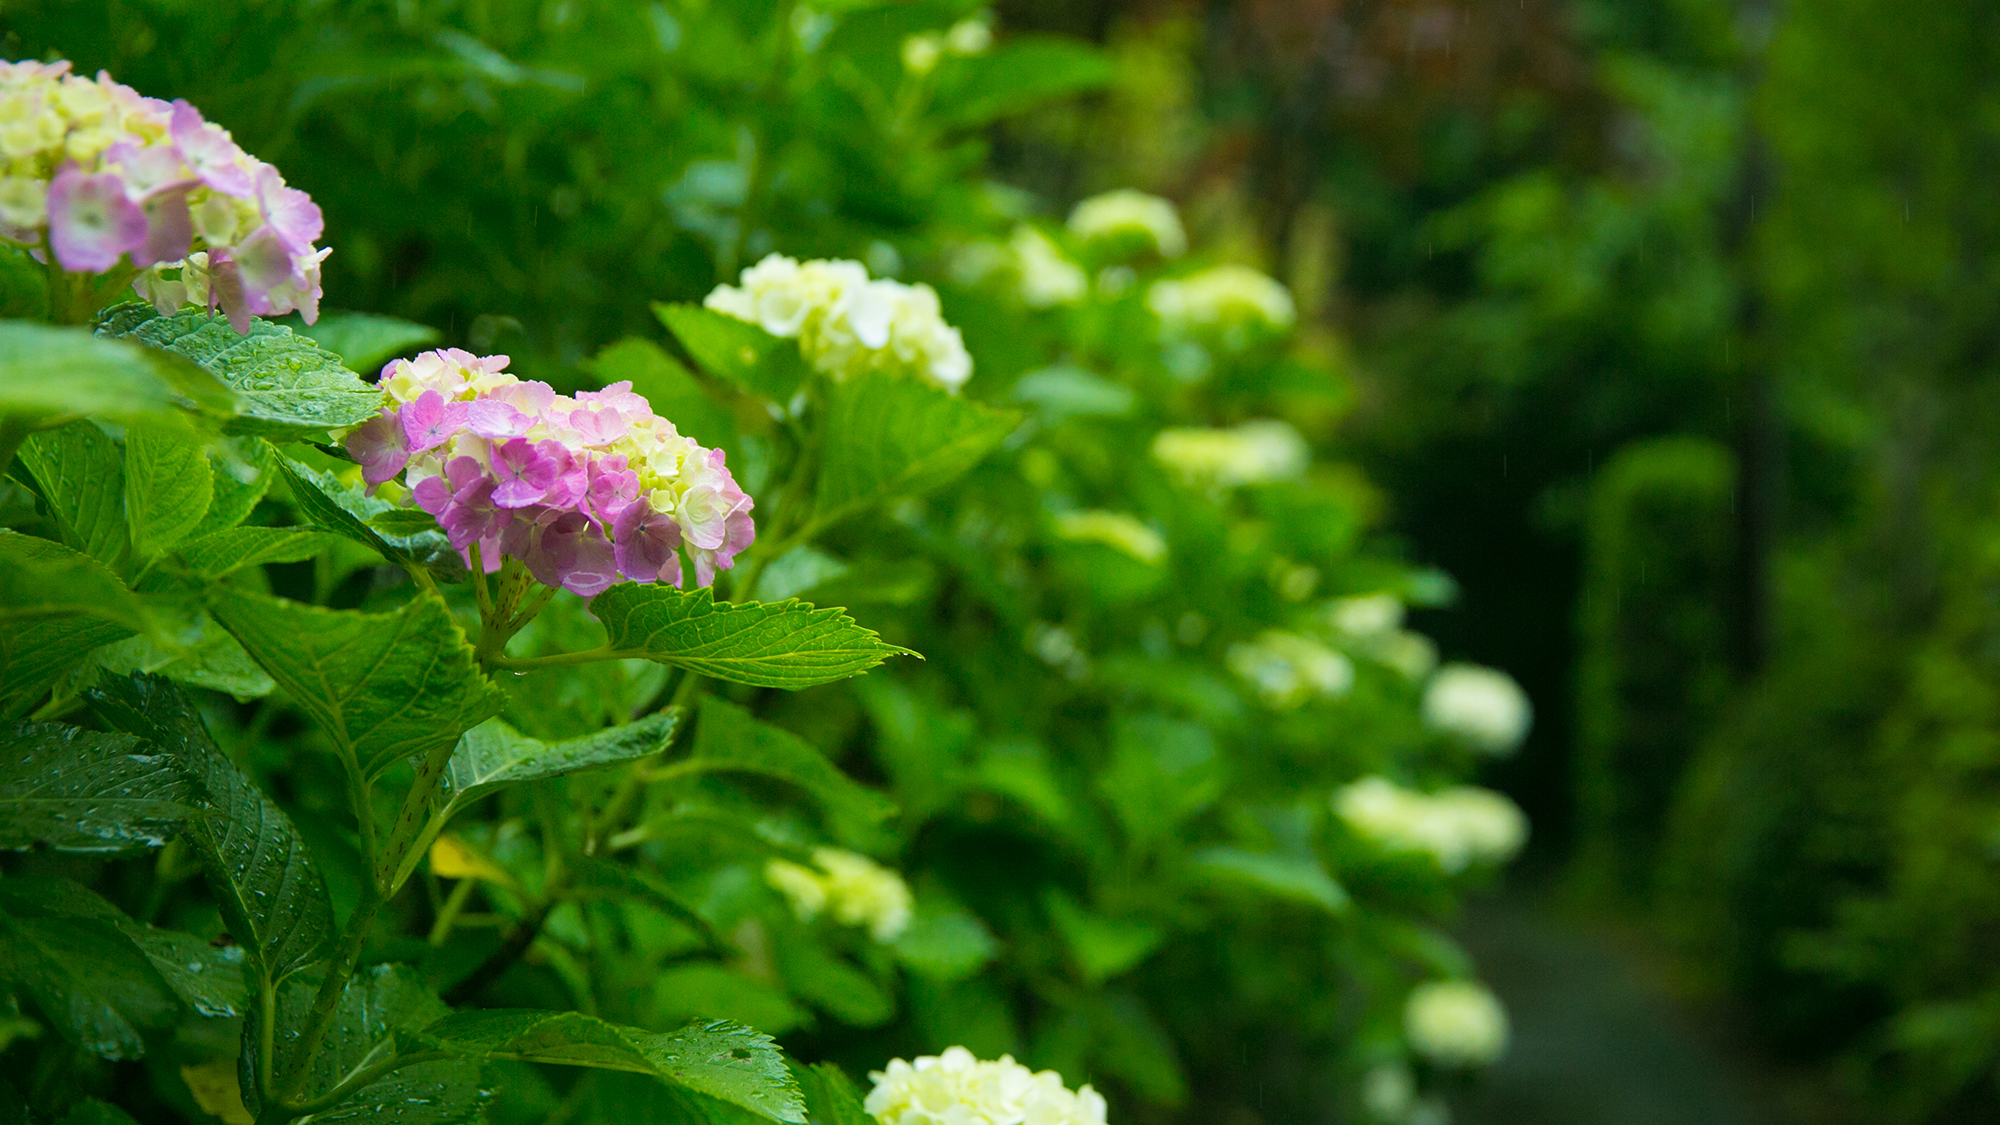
846	323
955	1088
1048	278
581	489
1116	530
1456	827
106	176
858	891
1455	1022
1252	453
1288	670
1130	217
964	39
1232	300
1483	706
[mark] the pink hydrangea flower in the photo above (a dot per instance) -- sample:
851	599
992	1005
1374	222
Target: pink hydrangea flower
585	490
106	177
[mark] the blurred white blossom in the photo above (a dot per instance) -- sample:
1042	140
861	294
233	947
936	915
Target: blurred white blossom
1483	706
1252	453
1288	670
1115	530
1123	214
856	890
1048	278
1457	827
1456	1023
1225	298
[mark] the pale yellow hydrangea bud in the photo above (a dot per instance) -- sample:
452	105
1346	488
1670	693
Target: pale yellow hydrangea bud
1047	278
1483	706
1456	1023
1115	530
1456	827
955	1088
1252	453
854	889
1130	214
1222	298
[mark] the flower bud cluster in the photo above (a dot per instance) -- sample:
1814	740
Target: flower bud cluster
955	1088
1130	217
1252	453
107	176
1233	300
846	323
964	39
582	489
1456	1023
855	889
1115	530
1288	670
1483	706
1457	827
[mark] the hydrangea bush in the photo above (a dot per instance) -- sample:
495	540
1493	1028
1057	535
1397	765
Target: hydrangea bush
378	741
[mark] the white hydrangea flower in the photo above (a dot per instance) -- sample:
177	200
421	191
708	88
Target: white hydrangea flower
1115	530
1456	1023
1483	706
856	890
1388	1091
1370	615
848	324
1224	298
1412	654
955	1088
1252	453
1117	215
1047	278
1288	670
1457	827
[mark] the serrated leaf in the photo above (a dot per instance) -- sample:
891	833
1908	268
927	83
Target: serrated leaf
263	877
287	387
888	437
737	351
241	469
43	579
48	371
68	950
384	686
1282	876
79	790
731	740
378	1006
723	1060
207	977
168	486
1016	77
81	472
331	506
364	341
493	755
785	644
36	653
213	556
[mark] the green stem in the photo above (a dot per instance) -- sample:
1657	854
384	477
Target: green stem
448	913
613	811
554	660
319	1019
267	1034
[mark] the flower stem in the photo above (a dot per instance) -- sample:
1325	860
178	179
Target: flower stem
553	660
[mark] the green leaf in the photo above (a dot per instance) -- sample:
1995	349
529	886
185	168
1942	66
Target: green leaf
197	650
945	942
68	950
223	552
833	985
364	341
1065	391
672	390
1163	770
42	579
37	652
1016	77
378	1007
830	1098
384	686
1103	947
263	877
168	487
889	436
287	386
737	351
91	1111
48	371
493	755
798	571
82	476
731	740
79	790
1282	876
723	1060
404	522
207	977
786	644
241	469
331	506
